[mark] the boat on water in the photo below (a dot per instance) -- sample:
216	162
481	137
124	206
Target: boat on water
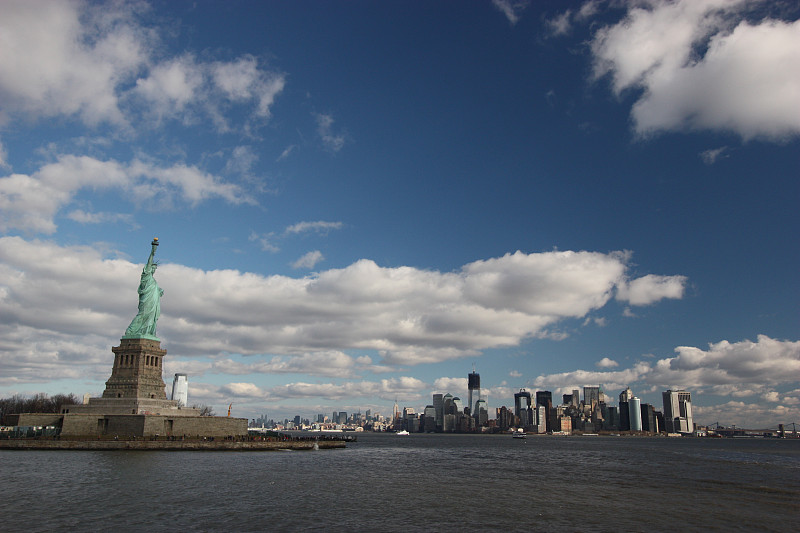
519	434
404	432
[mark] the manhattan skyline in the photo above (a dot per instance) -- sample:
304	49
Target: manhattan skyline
358	202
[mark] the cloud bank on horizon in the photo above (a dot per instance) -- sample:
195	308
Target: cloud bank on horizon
106	125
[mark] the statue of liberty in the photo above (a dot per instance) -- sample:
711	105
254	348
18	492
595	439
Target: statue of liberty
143	324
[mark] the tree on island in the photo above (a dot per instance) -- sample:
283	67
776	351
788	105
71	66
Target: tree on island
205	410
38	403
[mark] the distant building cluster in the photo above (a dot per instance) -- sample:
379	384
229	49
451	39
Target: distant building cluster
338	421
531	413
537	413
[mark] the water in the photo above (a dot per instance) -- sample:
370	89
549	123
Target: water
415	483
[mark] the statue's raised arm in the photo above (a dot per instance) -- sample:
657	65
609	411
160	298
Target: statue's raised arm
143	324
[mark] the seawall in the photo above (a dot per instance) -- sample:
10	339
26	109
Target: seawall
167	445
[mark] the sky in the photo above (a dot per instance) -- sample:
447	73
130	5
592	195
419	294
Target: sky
360	202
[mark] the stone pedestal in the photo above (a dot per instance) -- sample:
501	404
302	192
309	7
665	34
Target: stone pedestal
137	372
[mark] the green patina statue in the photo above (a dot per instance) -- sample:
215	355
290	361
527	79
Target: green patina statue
143	324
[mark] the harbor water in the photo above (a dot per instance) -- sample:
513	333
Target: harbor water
385	482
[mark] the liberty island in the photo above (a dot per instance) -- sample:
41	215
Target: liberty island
133	411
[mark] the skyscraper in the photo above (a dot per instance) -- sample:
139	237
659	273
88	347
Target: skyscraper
180	389
522	407
481	413
678	411
591	396
474	386
438	405
624	409
544	397
635	413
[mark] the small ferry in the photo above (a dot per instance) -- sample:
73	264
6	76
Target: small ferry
519	434
404	432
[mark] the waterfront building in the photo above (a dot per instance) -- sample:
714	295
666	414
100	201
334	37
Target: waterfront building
180	389
624	410
540	424
481	413
429	419
591	396
649	420
474	388
678	411
545	398
611	418
635	413
504	418
522	408
438	405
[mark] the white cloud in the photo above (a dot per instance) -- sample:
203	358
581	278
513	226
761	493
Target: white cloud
728	368
404	315
651	288
710	156
387	389
30	203
309	260
747	415
319	226
512	9
63	60
100	64
700	65
171	86
610	380
332	142
605	362
560	24
286	152
84	217
741	369
455	386
515	374
322	363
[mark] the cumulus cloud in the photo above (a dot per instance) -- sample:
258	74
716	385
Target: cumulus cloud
699	64
387	389
743	369
31	203
322	363
651	288
61	60
403	315
605	362
728	368
455	386
100	64
744	414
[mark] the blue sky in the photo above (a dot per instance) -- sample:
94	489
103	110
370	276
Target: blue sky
358	201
